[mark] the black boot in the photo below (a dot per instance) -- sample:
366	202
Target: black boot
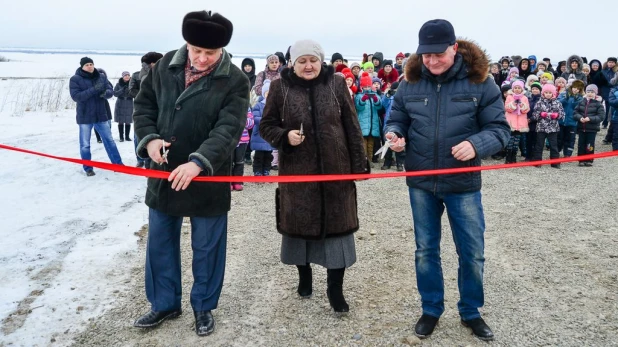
121	131
425	326
127	131
479	328
334	291
305	280
153	319
204	323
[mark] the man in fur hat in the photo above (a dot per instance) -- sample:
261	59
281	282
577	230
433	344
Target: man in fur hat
447	114
189	115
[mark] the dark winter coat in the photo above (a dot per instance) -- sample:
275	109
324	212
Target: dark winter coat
202	122
136	79
90	92
577	74
333	145
435	113
257	142
123	111
250	75
613	103
546	124
592	109
569	103
380	57
532	99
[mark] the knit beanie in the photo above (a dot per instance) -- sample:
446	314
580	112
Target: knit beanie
368	65
531	78
265	87
400	55
365	80
561	79
592	88
518	83
272	58
126	73
335	57
513	69
549	88
541	63
207	30
548	75
536	85
387	62
306	47
376	80
349	74
84	61
354	64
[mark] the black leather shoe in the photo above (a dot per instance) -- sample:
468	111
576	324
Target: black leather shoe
153	319
425	326
399	167
204	323
479	328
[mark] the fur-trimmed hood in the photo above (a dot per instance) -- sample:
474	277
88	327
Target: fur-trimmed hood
579	60
475	63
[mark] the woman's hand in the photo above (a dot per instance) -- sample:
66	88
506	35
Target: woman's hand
295	138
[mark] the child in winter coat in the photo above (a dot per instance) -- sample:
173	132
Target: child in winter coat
387	103
568	126
547	112
387	74
399	63
545	77
367	105
238	156
263	157
589	114
535	96
561	85
350	82
516	107
531	79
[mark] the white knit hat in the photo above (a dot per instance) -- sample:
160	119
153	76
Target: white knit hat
306	47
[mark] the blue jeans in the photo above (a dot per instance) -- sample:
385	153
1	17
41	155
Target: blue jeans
140	160
163	270
85	132
465	213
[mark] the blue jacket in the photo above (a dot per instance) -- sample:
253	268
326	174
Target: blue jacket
91	102
387	104
436	113
368	117
257	142
569	102
613	102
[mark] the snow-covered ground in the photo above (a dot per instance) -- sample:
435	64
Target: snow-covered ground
66	238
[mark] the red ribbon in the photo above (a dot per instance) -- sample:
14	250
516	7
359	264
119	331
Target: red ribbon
308	178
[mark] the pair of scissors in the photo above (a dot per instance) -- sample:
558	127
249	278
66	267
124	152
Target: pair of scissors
302	133
165	152
383	149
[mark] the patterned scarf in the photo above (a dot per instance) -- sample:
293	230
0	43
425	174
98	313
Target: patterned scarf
192	75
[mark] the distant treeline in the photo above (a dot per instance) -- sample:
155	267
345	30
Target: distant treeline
87	52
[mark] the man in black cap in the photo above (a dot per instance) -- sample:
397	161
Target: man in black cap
189	114
90	89
447	114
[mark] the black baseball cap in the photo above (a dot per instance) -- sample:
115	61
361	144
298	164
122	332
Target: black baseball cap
435	36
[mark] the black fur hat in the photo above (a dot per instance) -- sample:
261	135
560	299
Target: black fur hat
206	30
151	57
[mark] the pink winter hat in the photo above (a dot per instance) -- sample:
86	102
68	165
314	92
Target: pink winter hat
549	88
519	83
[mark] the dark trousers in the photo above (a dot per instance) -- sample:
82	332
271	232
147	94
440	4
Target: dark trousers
238	160
124	130
610	132
615	137
585	145
540	145
566	140
530	144
262	161
400	157
608	115
163	270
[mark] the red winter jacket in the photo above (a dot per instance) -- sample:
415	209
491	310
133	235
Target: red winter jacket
388	79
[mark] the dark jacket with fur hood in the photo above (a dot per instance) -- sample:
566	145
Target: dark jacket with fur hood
577	74
333	145
435	113
202	122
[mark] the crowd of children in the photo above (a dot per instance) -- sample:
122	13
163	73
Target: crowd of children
547	108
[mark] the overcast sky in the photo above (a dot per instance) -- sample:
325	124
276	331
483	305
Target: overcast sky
351	27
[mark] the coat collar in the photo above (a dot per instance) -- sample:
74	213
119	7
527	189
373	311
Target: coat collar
180	58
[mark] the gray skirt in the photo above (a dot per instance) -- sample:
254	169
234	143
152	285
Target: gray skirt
332	253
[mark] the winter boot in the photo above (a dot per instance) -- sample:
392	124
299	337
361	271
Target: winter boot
334	291
121	131
127	131
305	280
